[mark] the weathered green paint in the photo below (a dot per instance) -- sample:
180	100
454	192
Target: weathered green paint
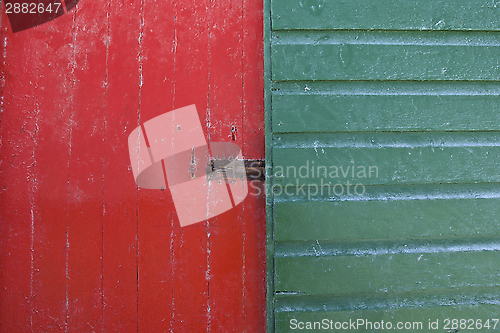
363	106
409	212
385	15
417	317
383	55
386	158
355	85
365	273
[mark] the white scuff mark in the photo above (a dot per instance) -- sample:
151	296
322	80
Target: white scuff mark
322	252
440	25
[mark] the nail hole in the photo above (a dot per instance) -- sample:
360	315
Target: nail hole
233	133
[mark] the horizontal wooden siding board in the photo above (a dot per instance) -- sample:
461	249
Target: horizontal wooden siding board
387	15
363	106
417	56
384	273
374	219
385	159
416	319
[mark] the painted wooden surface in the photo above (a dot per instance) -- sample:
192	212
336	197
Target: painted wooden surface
383	156
384	15
386	56
385	106
82	248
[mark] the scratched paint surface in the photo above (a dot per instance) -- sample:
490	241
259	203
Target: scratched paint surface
82	249
400	97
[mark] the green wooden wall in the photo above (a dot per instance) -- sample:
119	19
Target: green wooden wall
400	98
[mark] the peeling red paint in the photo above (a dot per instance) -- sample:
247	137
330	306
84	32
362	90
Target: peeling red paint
82	248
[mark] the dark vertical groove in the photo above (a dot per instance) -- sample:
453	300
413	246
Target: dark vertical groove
103	166
243	113
70	129
141	32
209	14
172	263
269	161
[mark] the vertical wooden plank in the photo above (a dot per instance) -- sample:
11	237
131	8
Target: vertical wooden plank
253	79
225	232
51	62
120	194
156	209
86	169
17	143
253	148
189	244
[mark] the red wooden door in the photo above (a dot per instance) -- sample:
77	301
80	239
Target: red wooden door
82	248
